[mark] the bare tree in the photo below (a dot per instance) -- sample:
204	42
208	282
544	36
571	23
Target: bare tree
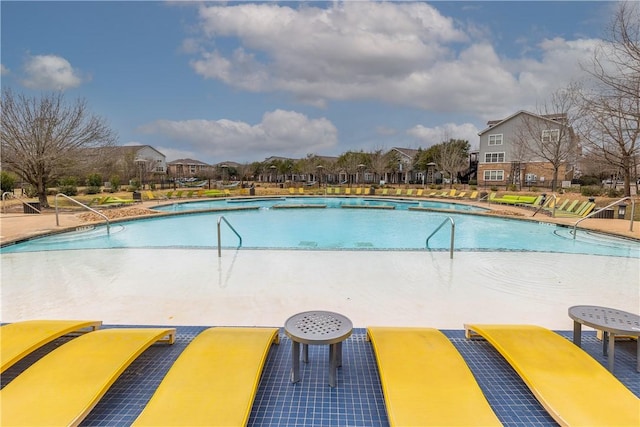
548	135
40	136
611	107
452	157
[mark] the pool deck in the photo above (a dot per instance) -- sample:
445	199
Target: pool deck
358	398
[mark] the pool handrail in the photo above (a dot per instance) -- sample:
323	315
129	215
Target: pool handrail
220	219
10	194
84	206
617	202
453	232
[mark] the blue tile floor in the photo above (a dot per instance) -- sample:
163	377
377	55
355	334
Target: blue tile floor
356	401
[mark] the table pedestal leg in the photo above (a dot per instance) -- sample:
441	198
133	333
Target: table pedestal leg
295	361
333	364
339	353
305	353
612	347
577	334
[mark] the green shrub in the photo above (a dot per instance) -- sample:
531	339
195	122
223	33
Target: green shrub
30	191
92	190
7	181
590	190
473	182
589	180
115	183
614	194
494	188
94	180
68	186
512	187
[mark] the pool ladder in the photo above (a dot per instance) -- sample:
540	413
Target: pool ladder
453	232
100	214
220	219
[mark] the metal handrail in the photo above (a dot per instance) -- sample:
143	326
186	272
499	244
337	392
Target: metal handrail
453	232
84	206
220	219
9	193
553	210
617	202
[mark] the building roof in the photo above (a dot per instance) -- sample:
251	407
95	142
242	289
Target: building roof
187	162
556	118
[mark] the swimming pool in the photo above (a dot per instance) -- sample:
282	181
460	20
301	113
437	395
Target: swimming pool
334	224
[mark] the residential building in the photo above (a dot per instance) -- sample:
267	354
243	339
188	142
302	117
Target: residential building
508	152
188	168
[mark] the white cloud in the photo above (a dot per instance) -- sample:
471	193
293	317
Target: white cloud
402	53
286	133
429	136
50	72
3	70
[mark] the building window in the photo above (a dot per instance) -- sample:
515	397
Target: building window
494	157
495	139
550	135
494	175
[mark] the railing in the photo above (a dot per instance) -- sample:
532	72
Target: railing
222	218
84	206
617	202
8	193
453	232
553	209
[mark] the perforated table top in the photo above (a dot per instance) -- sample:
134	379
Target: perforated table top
318	327
607	319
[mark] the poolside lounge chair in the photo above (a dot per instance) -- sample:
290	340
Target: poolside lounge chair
18	339
474	195
336	190
63	386
425	381
574	388
419	192
410	192
460	195
399	192
214	381
358	191
385	191
347	191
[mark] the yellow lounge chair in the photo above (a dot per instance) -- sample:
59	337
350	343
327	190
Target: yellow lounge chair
347	191
292	190
572	386
385	191
18	339
460	195
474	195
410	192
425	381
358	191
214	381
336	190
399	192
419	192
63	386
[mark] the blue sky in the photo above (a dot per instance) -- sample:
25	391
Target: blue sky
241	81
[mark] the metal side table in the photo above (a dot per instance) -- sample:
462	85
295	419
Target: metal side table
317	328
611	322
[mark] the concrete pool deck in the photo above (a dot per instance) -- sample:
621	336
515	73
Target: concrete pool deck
264	287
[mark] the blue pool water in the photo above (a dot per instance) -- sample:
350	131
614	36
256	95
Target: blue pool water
334	228
329	202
